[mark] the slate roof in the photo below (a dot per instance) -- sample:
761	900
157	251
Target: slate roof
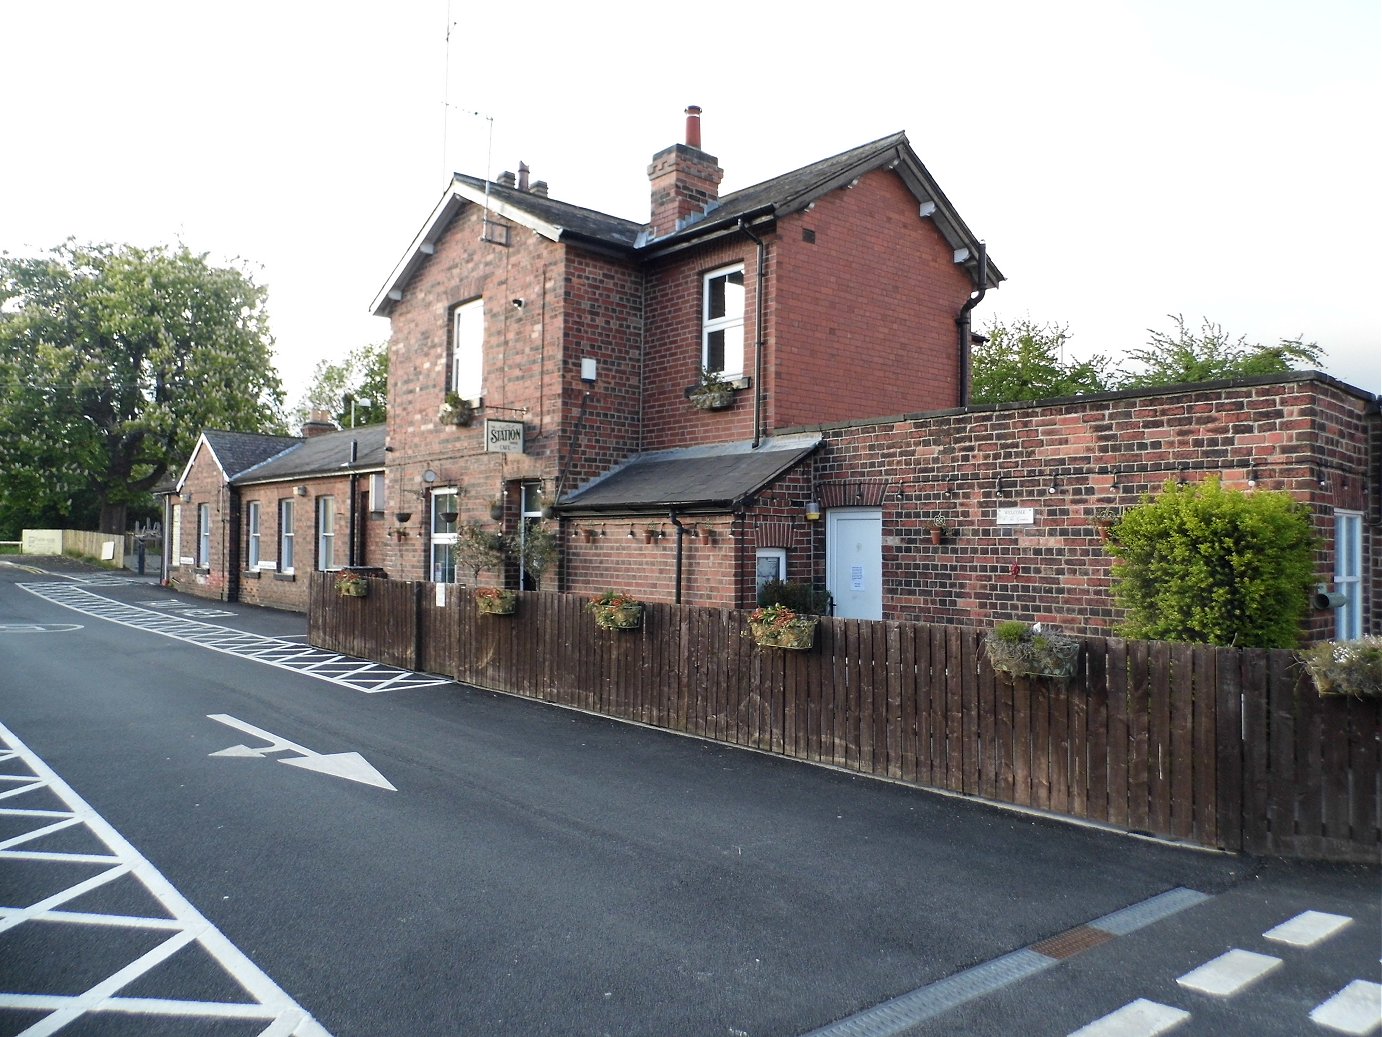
791	192
238	451
326	454
704	478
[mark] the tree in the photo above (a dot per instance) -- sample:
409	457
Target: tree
362	377
112	360
1212	354
1212	566
1025	361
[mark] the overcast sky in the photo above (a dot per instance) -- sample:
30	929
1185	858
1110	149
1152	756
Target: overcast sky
1123	160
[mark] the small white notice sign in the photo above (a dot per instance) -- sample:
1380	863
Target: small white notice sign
856	577
1016	516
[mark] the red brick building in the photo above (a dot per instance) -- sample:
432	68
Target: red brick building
251	515
547	364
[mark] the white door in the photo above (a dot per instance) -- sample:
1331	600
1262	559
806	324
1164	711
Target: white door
854	561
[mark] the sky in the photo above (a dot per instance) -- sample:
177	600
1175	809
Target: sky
1125	160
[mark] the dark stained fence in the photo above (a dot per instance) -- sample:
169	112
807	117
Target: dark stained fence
1218	747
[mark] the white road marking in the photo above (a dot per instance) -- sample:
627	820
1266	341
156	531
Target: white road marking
1229	973
1357	1009
38	628
188	930
349	765
356	674
1140	1018
1307	928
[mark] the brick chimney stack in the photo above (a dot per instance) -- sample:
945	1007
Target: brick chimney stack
684	179
318	423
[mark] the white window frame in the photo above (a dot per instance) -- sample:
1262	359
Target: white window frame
377	493
1348	574
326	533
468	350
253	553
778	554
727	324
529	511
203	535
176	553
285	535
443	534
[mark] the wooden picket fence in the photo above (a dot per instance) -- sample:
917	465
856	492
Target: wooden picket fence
1219	747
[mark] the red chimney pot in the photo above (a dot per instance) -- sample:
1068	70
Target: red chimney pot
693	127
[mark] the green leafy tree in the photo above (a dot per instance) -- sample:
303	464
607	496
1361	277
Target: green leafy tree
362	377
1211	354
1025	361
1212	566
112	360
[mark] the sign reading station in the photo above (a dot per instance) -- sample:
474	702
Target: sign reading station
1016	516
503	437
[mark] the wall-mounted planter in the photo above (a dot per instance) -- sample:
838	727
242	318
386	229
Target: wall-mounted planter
494	601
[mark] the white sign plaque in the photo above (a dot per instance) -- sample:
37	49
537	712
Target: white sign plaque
503	437
1016	516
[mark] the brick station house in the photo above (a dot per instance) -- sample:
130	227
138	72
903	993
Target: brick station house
547	364
250	514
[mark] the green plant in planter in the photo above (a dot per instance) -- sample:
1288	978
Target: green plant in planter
1346	667
940	528
351	585
713	392
800	597
535	546
456	411
478	549
1025	650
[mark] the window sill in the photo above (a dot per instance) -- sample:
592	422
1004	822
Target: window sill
285	577
250	574
203	570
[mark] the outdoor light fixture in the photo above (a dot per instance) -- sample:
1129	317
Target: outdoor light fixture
301	491
927	209
631	533
1053	485
187	498
1252	475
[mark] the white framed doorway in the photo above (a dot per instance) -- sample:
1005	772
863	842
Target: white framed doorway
854	561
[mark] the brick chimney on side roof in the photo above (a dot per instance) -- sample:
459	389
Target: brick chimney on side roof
684	179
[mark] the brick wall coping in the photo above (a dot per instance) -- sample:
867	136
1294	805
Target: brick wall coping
1184	388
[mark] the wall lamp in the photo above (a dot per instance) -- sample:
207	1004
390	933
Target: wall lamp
1053	486
301	491
1252	475
187	498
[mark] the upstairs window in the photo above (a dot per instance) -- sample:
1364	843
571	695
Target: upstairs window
722	323
468	350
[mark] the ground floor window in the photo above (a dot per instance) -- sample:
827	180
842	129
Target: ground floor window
444	508
771	565
285	536
326	532
252	531
204	536
1348	574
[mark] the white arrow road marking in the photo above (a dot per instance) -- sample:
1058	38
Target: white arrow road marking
351	766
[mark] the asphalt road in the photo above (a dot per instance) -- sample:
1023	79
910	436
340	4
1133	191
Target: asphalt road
541	871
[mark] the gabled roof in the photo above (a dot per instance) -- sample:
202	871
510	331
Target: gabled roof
327	454
718	477
234	452
780	196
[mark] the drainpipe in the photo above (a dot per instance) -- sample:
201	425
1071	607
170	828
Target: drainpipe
758	332
354	490
681	535
963	322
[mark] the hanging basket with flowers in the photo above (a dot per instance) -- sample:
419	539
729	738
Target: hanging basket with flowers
614	610
496	601
778	626
351	585
1025	650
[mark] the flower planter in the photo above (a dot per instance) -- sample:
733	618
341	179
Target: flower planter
1034	655
798	634
1351	668
619	617
713	399
352	588
494	602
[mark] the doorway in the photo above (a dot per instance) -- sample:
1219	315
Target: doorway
854	561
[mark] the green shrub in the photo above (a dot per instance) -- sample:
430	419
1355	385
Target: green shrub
799	597
1212	566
